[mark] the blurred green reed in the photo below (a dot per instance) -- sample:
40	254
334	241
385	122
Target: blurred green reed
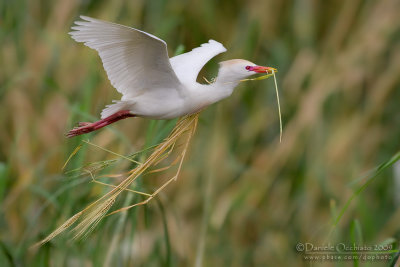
242	198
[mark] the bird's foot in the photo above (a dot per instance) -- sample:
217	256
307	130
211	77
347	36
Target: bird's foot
87	127
84	127
81	124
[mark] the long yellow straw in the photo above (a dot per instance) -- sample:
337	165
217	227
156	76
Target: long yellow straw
277	97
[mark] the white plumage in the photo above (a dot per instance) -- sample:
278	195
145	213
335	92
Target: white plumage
188	65
152	84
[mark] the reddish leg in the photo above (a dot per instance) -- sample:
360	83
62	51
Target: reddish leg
87	127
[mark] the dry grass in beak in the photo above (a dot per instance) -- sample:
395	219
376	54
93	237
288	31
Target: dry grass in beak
89	217
273	70
277	96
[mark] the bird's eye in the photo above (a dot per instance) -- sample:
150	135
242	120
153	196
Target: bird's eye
247	67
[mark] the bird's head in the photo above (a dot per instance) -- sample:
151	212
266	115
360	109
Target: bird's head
237	69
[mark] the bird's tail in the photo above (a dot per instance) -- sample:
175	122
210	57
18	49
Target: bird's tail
116	107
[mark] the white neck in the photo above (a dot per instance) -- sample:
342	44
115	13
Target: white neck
222	88
203	95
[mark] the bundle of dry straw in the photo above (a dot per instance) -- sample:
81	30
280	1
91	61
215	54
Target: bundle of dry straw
87	219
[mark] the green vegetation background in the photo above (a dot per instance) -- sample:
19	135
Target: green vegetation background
242	199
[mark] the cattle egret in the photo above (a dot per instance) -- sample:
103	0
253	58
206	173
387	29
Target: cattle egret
153	85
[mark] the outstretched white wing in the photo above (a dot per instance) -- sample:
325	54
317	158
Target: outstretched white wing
188	65
134	60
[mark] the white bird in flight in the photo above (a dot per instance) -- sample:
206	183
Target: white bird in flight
153	85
